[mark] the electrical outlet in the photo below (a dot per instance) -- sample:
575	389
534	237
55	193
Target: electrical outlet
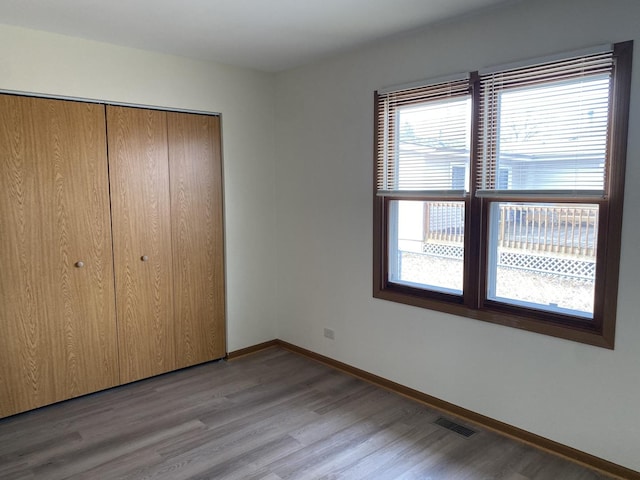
330	334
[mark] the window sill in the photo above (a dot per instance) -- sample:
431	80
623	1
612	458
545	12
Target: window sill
538	322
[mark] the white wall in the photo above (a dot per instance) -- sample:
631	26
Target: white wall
38	62
579	395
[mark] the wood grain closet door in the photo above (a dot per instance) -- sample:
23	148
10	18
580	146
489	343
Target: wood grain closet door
57	309
197	237
139	173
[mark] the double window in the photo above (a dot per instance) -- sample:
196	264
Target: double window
499	194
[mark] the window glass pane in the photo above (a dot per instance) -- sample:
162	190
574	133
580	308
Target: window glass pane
553	136
543	256
432	137
426	244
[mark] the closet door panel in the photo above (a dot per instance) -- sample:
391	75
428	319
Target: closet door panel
57	314
197	237
139	173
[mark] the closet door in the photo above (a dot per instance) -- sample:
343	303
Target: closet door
57	318
197	237
139	174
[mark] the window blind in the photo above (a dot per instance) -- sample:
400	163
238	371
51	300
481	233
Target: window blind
543	129
423	140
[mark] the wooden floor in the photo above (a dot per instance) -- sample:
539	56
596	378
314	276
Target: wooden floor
271	415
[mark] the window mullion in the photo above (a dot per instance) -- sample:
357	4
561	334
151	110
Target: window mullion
473	218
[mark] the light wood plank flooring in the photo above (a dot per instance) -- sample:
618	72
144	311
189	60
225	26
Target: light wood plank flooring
272	415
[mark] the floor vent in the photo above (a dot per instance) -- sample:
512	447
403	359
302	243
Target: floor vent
454	427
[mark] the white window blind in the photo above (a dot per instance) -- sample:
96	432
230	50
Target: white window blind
546	125
423	132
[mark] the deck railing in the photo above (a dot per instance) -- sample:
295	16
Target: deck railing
444	222
562	229
559	229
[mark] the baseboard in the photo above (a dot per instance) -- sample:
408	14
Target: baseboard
252	349
555	448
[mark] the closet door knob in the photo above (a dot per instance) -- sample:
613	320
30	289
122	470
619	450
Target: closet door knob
144	258
79	264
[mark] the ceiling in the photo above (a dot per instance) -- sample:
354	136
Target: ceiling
269	35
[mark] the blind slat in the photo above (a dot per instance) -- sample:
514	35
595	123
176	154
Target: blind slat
536	194
427	194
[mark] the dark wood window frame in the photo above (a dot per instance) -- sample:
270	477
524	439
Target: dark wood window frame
600	331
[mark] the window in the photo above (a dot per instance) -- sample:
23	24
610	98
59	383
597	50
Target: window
499	194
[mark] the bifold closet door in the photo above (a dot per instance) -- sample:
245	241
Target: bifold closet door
197	237
140	203
57	309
